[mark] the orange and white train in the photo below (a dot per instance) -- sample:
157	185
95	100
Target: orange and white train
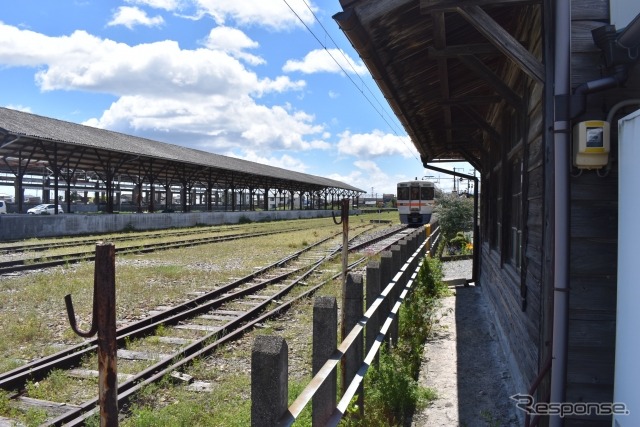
415	202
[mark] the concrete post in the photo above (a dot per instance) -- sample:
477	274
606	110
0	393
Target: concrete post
386	267
353	358
396	252
325	341
410	241
404	251
269	386
374	288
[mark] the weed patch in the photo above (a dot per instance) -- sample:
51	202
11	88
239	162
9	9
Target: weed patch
392	392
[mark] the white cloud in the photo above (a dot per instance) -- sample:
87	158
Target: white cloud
169	5
272	14
234	42
328	61
202	98
84	62
368	166
367	175
375	144
284	162
213	124
132	16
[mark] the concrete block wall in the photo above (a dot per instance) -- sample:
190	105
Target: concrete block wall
19	227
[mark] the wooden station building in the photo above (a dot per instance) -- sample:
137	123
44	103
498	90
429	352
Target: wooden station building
503	85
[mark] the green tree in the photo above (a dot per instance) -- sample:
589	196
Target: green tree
454	214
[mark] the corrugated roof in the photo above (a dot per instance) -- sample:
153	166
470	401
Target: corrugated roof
36	127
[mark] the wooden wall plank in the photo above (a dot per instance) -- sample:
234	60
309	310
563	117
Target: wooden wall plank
593	257
503	291
590	10
594	218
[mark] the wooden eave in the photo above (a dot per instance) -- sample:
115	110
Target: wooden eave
440	64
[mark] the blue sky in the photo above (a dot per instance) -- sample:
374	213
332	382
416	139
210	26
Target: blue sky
243	78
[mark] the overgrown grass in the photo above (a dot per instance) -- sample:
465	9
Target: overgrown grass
167	404
392	393
30	418
144	281
32	310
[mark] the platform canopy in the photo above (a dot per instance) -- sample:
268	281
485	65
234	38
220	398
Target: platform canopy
36	145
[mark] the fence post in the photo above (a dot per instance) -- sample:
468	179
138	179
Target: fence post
404	251
269	380
396	253
427	233
325	337
353	313
411	239
386	268
374	288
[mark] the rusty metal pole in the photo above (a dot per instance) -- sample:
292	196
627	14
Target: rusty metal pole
104	323
345	241
105	278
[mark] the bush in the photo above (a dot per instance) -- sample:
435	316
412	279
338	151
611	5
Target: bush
454	214
460	244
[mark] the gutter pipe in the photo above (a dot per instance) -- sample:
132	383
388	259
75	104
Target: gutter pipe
561	129
564	112
579	98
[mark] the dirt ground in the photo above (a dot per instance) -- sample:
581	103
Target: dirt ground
465	365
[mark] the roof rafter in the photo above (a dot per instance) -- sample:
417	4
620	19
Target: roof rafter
477	66
504	41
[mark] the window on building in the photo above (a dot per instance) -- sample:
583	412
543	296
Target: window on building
514	241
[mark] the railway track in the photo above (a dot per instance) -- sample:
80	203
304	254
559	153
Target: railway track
169	339
37	263
59	243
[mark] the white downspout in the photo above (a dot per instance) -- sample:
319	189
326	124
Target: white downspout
561	129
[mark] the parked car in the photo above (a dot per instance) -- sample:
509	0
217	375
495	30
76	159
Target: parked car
44	209
3	207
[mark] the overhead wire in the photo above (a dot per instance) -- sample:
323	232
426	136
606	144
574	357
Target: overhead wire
348	61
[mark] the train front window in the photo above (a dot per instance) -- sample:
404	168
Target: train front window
427	193
415	193
403	193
